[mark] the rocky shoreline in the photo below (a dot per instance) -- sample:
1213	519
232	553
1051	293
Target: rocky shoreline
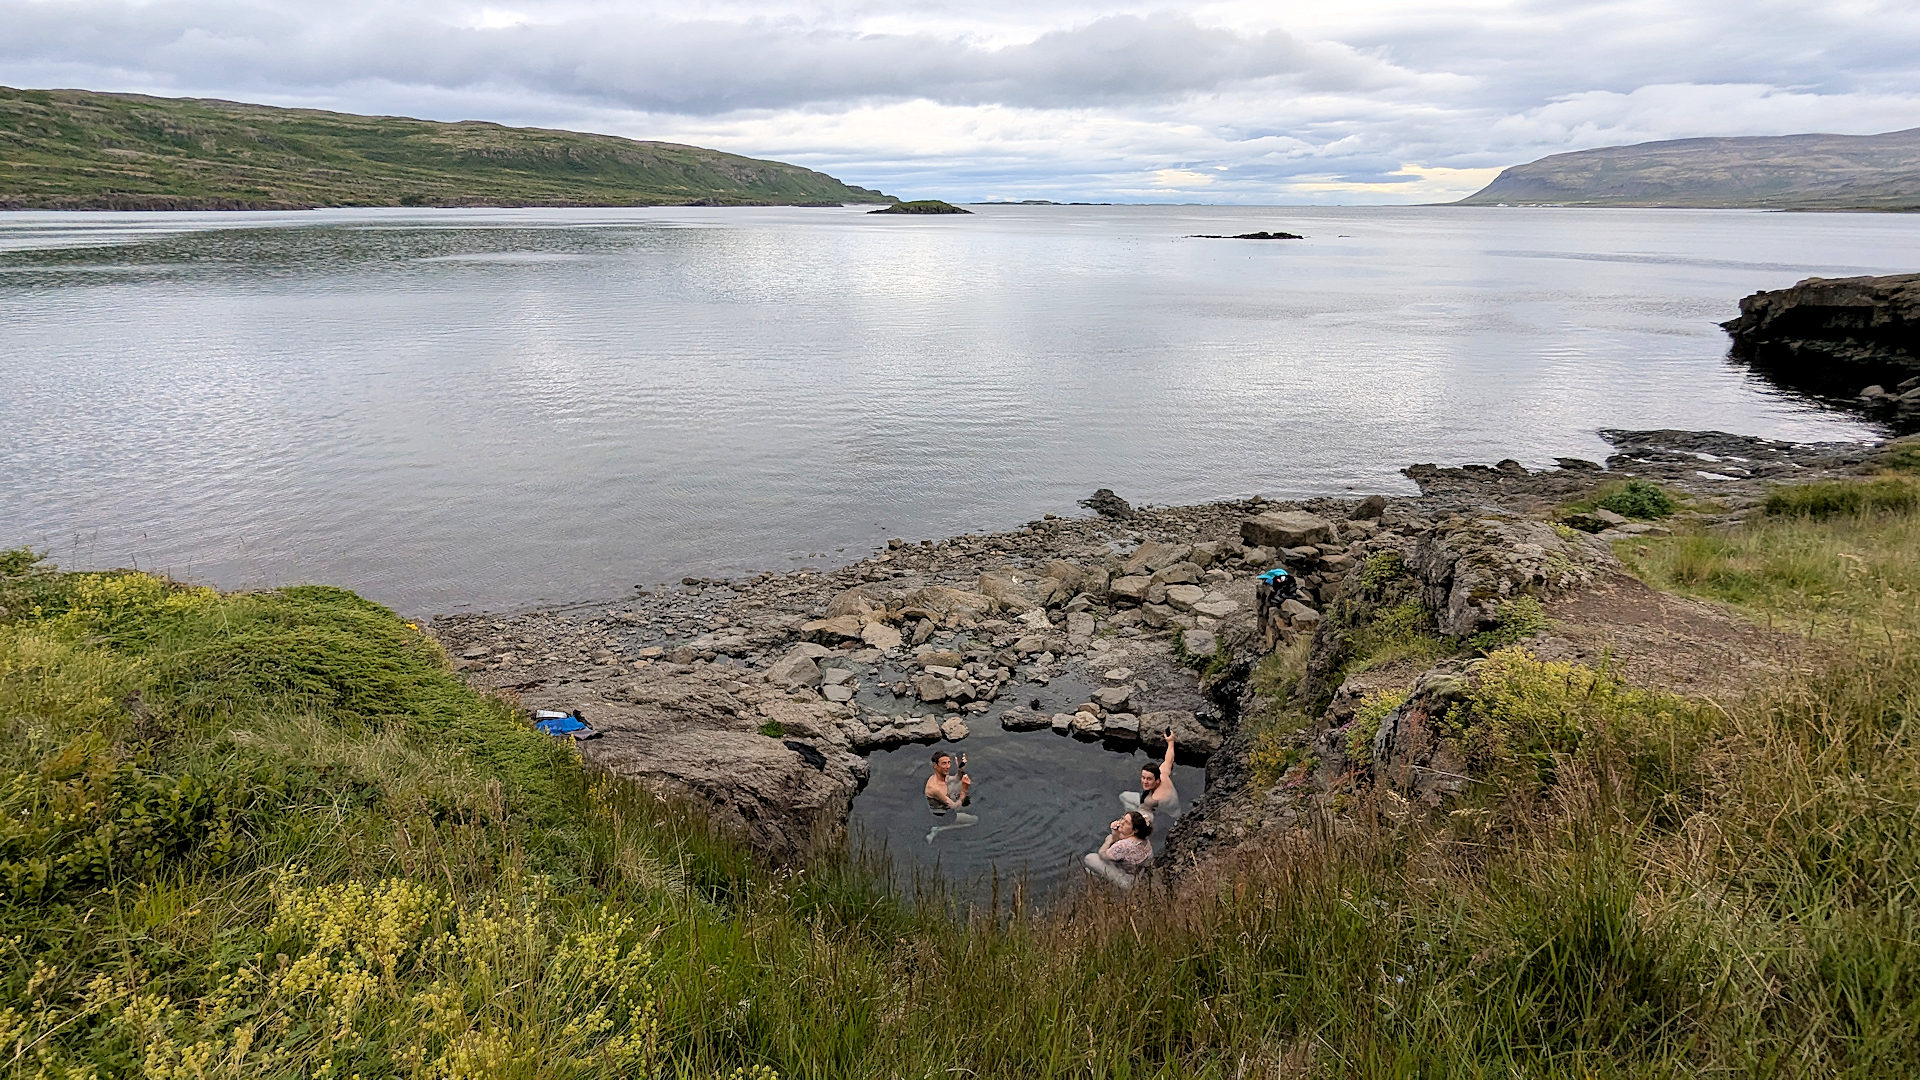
758	697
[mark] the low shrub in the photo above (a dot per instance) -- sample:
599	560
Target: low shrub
1641	499
1515	621
1365	725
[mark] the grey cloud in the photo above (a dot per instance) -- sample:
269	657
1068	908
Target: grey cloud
688	67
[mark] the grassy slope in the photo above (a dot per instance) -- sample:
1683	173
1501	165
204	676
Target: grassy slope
75	149
1830	172
271	834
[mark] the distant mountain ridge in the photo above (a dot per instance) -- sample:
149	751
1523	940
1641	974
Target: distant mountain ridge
77	149
1782	172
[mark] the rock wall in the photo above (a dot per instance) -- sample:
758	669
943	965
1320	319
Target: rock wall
1838	337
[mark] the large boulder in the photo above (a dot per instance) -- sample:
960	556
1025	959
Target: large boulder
1285	529
699	736
1469	571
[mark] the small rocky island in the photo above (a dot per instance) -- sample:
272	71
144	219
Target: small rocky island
1248	236
922	206
1855	338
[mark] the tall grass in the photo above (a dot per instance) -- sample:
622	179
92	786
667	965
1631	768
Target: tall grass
297	845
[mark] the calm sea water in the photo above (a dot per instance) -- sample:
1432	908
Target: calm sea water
448	409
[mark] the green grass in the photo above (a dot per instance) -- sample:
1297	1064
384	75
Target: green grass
1840	498
1831	570
284	839
71	149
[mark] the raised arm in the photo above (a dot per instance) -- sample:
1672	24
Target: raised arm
1166	765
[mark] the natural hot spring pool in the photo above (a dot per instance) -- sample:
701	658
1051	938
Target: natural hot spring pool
1043	801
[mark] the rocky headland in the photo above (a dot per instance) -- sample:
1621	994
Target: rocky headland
758	698
1852	338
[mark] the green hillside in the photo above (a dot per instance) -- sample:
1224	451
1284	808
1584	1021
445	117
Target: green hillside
1785	172
74	149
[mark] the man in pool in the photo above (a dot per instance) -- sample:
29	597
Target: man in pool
1156	794
946	793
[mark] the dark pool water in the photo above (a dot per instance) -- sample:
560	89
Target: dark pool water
1043	801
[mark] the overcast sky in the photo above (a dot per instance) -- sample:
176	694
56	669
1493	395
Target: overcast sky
1243	102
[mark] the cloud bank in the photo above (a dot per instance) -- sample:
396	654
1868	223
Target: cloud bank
1362	101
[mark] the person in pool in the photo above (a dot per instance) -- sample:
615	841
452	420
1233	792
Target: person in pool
1124	853
1157	793
949	789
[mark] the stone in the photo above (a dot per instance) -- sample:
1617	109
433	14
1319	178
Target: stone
1286	528
1217	609
1199	642
1119	674
1030	644
834	676
881	636
837	692
950	603
954	729
1205	555
1061	723
940	658
1299	614
1121	727
1080	627
1131	589
1153	555
1087	724
1024	720
1370	508
1183	597
930	687
1006	592
1180	573
834	630
1157	616
1157	594
902	730
1108	505
1191	738
1113	698
854	601
922	630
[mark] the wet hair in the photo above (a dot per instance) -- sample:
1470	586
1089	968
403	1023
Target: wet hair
938	754
1142	828
1151	767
